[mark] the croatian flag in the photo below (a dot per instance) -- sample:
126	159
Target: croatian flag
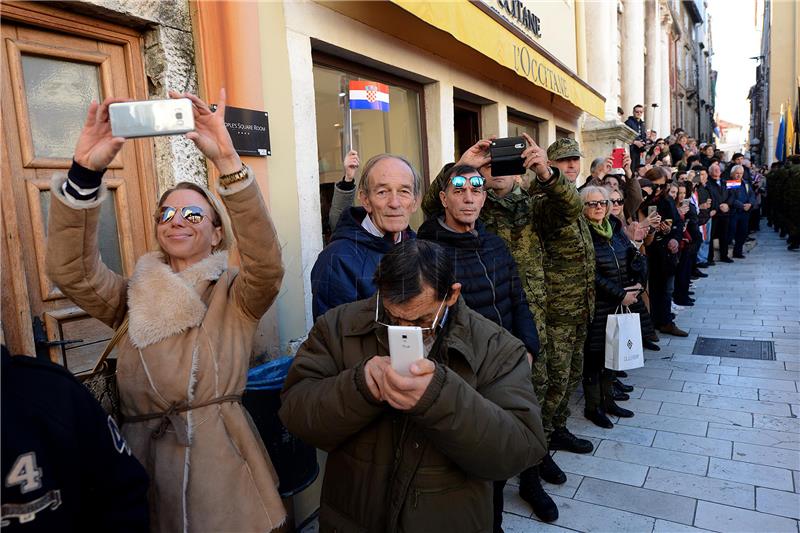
733	184
369	95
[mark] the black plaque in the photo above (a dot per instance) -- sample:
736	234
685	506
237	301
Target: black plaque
249	130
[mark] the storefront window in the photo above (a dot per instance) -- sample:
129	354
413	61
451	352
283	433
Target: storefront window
518	124
398	131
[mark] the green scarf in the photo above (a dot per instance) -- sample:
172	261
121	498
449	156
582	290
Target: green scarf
603	229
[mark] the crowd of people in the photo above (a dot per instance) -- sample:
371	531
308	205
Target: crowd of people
510	280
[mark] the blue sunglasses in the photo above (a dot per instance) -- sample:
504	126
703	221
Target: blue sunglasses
460	181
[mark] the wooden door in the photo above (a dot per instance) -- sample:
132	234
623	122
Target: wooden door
53	65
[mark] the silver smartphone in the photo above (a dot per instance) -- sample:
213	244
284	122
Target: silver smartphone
405	347
151	118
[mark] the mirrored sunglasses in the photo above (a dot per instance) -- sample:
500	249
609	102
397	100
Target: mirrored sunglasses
596	203
461	181
189	213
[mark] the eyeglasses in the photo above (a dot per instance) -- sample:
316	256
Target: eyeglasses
461	181
432	326
617	201
595	204
190	213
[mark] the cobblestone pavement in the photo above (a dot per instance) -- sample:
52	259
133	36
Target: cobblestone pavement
715	443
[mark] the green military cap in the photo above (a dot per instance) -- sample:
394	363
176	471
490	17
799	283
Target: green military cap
564	148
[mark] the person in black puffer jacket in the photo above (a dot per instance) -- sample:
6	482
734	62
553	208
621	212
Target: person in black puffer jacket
614	288
483	265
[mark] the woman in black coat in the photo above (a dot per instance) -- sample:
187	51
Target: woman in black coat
614	287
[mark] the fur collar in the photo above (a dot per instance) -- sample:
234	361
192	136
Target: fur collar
163	303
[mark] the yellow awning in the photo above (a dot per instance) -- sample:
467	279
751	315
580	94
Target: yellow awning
474	28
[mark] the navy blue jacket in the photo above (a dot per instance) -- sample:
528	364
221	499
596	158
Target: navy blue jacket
738	196
488	275
344	269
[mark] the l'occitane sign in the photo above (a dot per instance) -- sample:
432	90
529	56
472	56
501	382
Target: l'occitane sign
479	31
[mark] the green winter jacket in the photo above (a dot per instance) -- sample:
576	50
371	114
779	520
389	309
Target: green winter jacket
428	469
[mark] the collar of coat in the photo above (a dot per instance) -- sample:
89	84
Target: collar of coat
163	303
361	321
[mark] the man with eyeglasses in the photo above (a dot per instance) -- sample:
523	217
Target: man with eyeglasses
519	219
413	453
636	123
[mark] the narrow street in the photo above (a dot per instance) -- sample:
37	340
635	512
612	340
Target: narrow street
715	443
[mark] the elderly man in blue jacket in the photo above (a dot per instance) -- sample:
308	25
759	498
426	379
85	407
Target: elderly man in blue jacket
741	197
389	191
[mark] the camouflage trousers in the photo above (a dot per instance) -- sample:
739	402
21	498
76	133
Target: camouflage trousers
557	372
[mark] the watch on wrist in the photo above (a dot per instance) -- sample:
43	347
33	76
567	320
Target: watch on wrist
229	179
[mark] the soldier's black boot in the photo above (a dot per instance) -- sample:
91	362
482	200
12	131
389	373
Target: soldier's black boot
550	472
530	490
562	439
593	410
607	392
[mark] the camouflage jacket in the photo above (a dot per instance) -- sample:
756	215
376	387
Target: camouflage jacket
569	253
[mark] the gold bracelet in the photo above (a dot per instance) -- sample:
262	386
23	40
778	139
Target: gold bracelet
229	179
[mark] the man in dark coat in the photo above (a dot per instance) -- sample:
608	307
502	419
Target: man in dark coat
636	123
720	203
389	191
413	453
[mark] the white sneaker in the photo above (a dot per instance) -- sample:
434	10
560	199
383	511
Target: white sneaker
677	308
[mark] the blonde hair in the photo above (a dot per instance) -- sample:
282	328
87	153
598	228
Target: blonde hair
220	217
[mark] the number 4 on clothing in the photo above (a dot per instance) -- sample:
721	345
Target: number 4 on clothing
25	473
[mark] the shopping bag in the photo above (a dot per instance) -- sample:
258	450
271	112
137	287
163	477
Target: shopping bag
624	341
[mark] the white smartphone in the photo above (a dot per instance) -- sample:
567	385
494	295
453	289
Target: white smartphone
151	118
405	347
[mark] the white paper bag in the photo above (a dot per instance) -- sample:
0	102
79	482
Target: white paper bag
624	341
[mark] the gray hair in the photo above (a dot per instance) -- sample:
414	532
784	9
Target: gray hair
596	162
363	183
734	168
586	191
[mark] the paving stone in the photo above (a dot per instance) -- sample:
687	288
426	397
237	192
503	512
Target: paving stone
512	503
732	520
765	455
774	422
566	489
759	475
637	500
580	426
693	444
779	396
651	372
702	359
648	382
778	502
698	377
749	406
758	383
519	524
645	455
665	526
686	398
707	413
794	367
673	365
796	476
666	423
601	468
641	406
589	517
750	363
764	437
727	370
701	487
721	390
771	373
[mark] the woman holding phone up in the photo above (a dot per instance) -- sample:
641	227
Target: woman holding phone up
190	320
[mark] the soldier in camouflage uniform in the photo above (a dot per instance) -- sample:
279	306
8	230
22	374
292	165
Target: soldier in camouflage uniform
519	219
569	278
783	185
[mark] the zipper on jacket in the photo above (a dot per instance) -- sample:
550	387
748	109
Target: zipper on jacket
491	284
619	270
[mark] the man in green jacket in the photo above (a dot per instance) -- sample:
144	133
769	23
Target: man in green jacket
520	219
413	453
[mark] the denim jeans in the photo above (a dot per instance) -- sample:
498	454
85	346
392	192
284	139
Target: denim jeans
702	252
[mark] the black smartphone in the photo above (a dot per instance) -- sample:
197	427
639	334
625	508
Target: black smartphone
506	156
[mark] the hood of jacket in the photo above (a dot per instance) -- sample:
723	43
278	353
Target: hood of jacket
349	227
163	303
433	230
